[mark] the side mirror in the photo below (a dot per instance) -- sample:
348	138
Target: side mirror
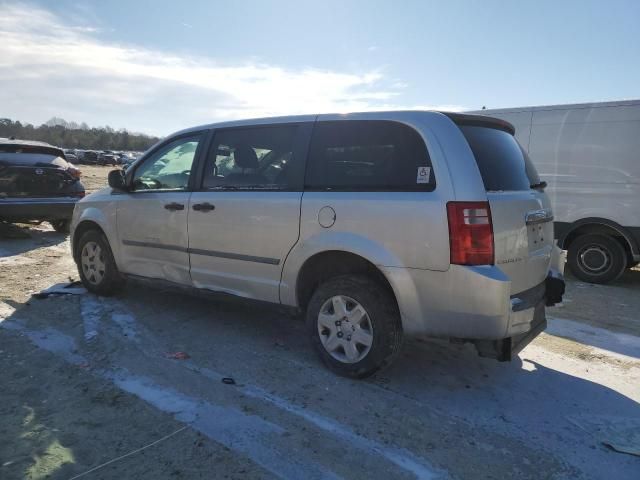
117	180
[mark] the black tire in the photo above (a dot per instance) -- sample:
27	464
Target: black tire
596	258
111	280
383	314
61	226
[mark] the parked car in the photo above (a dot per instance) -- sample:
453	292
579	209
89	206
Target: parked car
126	162
378	225
588	155
37	184
108	159
70	156
90	157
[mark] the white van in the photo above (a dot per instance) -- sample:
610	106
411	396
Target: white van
589	155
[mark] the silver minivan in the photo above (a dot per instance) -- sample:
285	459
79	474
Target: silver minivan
378	225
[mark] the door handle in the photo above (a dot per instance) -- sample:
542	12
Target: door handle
174	206
538	216
203	207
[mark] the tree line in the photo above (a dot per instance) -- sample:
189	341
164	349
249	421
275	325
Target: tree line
64	134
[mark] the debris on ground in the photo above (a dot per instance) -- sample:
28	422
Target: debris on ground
177	355
73	288
228	381
620	434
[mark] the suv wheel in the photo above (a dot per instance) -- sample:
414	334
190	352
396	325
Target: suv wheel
596	258
96	265
61	226
354	325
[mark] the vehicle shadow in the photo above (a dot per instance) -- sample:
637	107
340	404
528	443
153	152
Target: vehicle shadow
539	397
16	239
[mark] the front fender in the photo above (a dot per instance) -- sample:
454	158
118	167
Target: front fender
326	241
104	217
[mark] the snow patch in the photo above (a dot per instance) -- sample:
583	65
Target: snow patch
91	312
248	434
618	344
126	322
51	340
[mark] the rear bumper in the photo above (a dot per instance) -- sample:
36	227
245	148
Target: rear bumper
24	209
472	304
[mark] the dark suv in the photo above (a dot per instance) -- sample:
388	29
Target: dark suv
37	184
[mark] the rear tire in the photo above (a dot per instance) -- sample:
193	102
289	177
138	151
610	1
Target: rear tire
364	310
596	258
97	268
61	226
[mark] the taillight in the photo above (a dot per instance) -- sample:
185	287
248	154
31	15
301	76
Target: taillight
78	194
74	172
470	233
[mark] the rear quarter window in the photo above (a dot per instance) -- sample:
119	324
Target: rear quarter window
368	156
503	164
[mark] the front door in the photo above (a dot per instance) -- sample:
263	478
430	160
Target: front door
152	217
244	219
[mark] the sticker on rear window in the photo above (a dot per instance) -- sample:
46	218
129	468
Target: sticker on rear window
423	174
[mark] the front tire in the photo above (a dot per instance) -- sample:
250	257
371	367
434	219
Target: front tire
97	268
596	258
354	325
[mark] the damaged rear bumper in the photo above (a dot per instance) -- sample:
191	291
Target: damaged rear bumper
528	319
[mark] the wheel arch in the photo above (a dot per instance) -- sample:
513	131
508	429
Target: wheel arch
83	227
331	263
602	226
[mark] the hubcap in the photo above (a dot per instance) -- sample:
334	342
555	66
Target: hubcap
92	261
345	329
595	259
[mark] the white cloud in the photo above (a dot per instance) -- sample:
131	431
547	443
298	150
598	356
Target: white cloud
48	68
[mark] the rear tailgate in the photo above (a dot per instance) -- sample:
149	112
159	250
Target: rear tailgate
34	181
521	215
523	237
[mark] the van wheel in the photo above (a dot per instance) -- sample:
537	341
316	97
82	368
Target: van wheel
596	258
61	226
96	265
354	325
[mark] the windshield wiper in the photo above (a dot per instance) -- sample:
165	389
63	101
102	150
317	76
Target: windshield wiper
539	186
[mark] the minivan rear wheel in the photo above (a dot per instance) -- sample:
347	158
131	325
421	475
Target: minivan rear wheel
596	258
354	325
96	266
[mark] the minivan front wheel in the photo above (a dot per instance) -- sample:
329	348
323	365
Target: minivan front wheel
596	258
96	266
354	325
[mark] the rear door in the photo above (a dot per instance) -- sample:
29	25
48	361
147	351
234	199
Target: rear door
245	218
520	210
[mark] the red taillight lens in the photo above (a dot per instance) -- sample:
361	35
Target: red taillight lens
470	233
78	194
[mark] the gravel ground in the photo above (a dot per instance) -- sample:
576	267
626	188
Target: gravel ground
88	381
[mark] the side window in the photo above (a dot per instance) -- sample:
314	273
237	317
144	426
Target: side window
169	168
368	155
255	157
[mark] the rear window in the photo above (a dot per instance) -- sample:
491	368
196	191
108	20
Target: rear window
368	155
503	164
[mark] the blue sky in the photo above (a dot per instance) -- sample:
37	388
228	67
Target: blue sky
158	66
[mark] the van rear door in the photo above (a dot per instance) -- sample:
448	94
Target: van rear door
520	210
